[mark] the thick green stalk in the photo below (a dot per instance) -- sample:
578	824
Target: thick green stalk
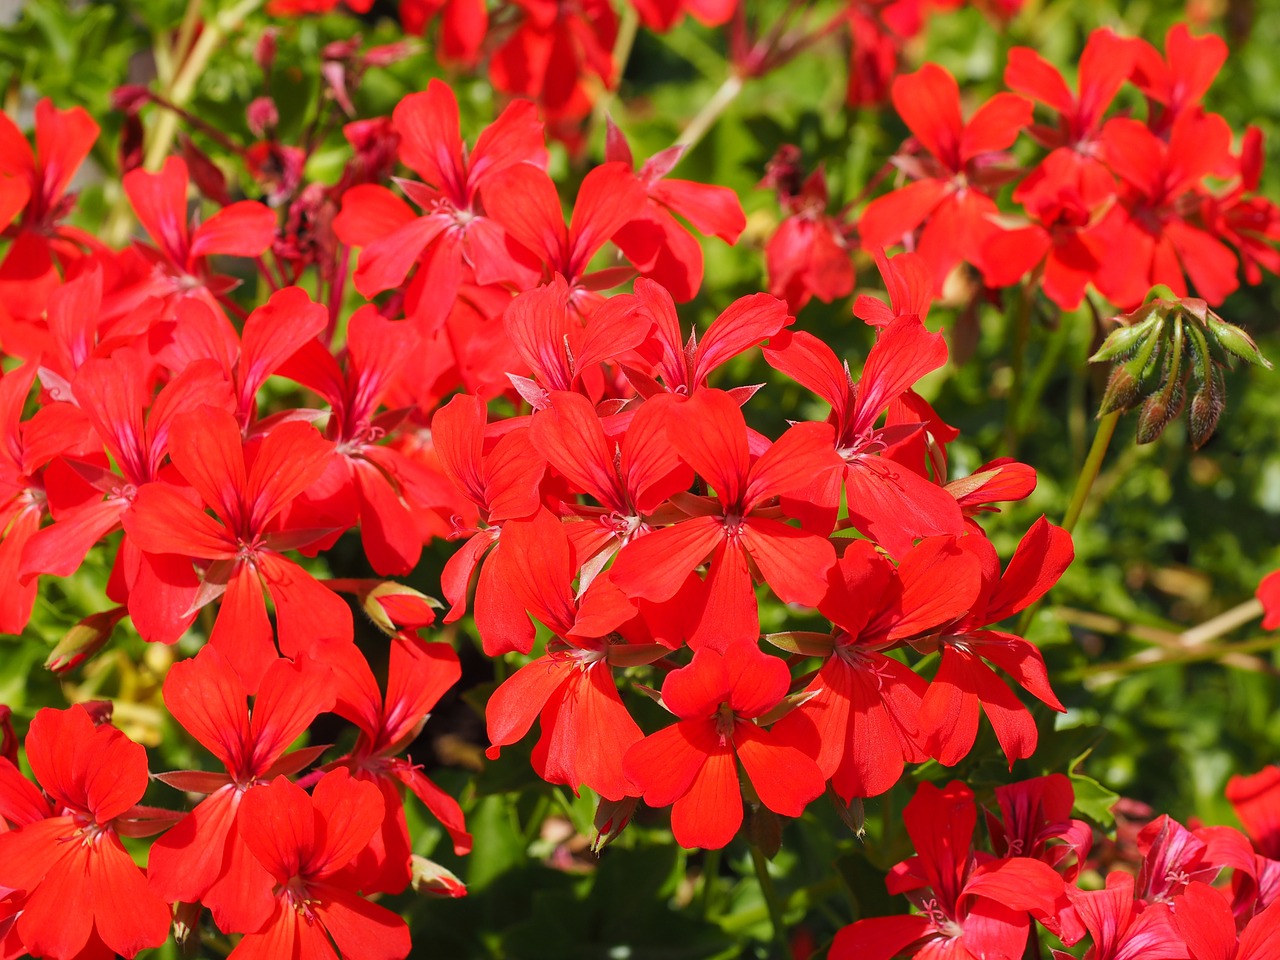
1092	467
770	894
706	117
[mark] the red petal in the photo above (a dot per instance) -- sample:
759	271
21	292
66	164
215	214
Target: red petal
351	811
370	212
880	938
278	824
793	562
929	103
710	813
273	333
570	436
949	713
290	696
995	125
745	323
784	778
307	612
514	706
362	930
242	632
710	434
664	764
429	141
1042	556
160	202
713	210
729	611
656	565
205	695
244	229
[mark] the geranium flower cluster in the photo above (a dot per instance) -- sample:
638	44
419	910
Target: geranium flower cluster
1108	201
618	521
1207	893
563	55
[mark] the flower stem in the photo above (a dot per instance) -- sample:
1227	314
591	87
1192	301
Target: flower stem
697	128
710	873
1018	367
1092	466
770	894
188	75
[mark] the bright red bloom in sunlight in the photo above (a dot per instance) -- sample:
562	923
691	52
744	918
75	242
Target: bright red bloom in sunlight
503	483
177	266
1034	815
629	476
586	729
1256	800
681	366
1123	928
736	526
248	486
555	48
305	842
88	501
1152	235
1203	919
959	162
418	675
949	714
524	200
463	25
888	500
203	859
455	237
368	483
861	718
972	905
809	255
85	895
1180	79
655	242
35	182
693	763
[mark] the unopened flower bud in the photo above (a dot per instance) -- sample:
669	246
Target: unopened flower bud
129	98
83	640
186	922
264	54
432	879
262	116
612	817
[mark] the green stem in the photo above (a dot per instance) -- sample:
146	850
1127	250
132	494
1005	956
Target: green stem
1080	495
1018	368
710	873
1092	466
697	128
770	894
188	75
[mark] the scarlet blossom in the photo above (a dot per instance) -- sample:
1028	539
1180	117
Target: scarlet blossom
418	675
1153	236
878	30
972	905
523	199
662	15
177	265
85	897
586	729
910	287
555	47
204	859
1248	222
958	162
369	483
1178	80
456	236
248	488
629	477
737	526
25	448
655	242
1203	920
809	254
679	365
503	483
859	716
1256	800
888	501
693	764
563	349
949	713
1122	928
34	182
463	25
1035	821
305	842
89	501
